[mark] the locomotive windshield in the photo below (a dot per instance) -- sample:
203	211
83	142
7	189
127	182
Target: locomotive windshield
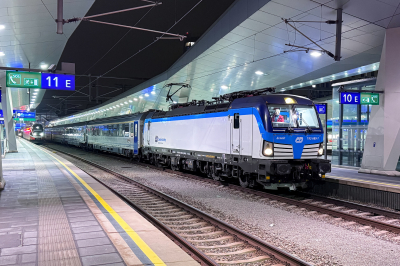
37	127
298	116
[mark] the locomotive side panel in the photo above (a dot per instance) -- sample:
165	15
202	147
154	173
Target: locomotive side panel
193	133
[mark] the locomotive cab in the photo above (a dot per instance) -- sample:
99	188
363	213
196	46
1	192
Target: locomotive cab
292	145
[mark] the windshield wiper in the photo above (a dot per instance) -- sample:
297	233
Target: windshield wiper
308	129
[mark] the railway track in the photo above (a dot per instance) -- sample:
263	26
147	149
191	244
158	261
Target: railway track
369	216
207	239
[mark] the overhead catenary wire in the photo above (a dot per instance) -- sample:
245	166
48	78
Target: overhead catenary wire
235	66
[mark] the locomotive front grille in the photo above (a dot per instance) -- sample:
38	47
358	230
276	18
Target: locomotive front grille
310	151
283	151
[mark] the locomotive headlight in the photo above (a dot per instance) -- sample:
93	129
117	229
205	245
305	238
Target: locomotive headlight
268	148
321	149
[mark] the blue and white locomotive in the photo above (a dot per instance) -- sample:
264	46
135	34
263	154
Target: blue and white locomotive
273	140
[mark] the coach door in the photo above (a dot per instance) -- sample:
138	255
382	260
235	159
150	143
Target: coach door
235	134
148	133
135	137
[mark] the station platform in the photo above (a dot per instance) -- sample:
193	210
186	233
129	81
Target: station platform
52	213
352	177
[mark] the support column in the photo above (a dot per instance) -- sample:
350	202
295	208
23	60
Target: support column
8	117
382	145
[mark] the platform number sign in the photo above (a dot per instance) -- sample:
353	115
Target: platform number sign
58	82
29	80
350	98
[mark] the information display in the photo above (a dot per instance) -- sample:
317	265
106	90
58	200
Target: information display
18	79
23	114
1	114
58	82
365	98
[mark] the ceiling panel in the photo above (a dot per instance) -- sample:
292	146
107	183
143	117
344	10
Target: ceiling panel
30	38
258	44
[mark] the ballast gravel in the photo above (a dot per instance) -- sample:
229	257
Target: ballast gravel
320	241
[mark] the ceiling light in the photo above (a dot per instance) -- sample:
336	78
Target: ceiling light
141	97
259	73
316	53
291	87
130	101
314	86
174	102
44	66
125	102
146	94
224	87
135	99
2	54
2	27
36	89
121	104
153	92
34	93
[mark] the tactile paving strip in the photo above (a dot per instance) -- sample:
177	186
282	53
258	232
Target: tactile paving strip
56	245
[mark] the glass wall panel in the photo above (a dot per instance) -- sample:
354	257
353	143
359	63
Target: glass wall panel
349	127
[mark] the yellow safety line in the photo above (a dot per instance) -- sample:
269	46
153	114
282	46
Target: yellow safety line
135	237
363	181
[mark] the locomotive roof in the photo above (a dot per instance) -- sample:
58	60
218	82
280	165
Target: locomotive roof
245	102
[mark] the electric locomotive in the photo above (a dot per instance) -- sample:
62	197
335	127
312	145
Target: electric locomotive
257	138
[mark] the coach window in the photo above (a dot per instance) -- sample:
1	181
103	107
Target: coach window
115	130
120	130
126	130
236	121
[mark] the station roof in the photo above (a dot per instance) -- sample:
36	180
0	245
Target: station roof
250	36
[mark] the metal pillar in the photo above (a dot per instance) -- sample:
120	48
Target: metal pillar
97	90
90	87
338	34
60	18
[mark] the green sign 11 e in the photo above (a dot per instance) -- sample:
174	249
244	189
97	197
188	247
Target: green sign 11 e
370	98
17	79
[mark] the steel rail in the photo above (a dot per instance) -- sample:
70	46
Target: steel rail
263	246
310	206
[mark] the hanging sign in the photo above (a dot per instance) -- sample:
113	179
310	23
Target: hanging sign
58	82
349	98
35	80
17	79
23	114
370	98
364	98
